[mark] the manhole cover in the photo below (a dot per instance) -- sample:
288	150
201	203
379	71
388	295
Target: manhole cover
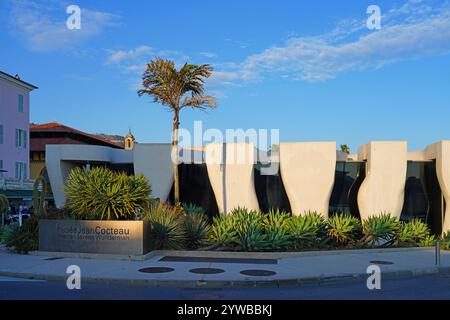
207	271
381	262
258	273
156	270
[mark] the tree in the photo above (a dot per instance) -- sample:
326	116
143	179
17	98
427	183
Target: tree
177	89
345	148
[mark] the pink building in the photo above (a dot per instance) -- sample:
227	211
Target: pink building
14	126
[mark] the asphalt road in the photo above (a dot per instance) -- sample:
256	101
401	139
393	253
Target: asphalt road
428	287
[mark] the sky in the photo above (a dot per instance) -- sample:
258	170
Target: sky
312	69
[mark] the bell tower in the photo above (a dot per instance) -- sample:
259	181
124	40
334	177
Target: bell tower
129	141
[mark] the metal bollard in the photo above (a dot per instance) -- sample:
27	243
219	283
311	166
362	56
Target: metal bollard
438	253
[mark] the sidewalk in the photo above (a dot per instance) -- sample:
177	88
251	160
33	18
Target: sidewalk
290	269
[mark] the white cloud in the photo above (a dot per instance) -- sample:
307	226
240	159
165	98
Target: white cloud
414	30
121	56
43	27
209	55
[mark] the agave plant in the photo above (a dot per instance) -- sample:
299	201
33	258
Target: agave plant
413	233
197	228
303	231
100	193
445	240
428	241
318	220
190	208
166	226
249	226
223	233
276	227
344	229
380	230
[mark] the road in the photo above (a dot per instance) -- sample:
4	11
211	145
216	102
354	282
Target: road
427	287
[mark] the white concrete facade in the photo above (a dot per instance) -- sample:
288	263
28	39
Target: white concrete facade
307	170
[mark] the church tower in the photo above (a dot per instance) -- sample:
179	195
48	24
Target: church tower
129	141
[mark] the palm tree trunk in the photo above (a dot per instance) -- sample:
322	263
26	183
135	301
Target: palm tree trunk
176	124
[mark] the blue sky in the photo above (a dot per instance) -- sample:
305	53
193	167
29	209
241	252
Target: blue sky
309	68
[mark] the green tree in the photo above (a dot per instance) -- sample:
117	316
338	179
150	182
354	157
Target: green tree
177	89
345	148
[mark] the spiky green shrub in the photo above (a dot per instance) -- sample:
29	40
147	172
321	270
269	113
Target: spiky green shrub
445	240
103	194
428	241
344	229
304	231
223	234
318	220
192	208
249	226
413	233
380	230
22	239
276	228
166	226
197	228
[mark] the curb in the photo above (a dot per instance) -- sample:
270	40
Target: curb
338	279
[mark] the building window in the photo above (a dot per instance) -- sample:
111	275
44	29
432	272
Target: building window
21	138
1	164
1	134
20	103
348	178
21	170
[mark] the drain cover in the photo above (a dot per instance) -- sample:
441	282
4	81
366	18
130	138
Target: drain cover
381	262
258	273
207	271
54	258
156	270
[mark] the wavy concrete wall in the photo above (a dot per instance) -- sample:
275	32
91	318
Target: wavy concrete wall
440	152
154	160
232	180
308	170
383	189
60	159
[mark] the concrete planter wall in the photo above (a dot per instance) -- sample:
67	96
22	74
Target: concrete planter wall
97	237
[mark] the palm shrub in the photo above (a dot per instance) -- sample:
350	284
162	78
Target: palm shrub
166	226
414	233
380	230
344	229
101	193
276	227
197	227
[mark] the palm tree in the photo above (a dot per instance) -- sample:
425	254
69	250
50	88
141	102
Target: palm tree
177	89
345	148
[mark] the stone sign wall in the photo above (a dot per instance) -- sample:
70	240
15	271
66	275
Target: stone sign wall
102	237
